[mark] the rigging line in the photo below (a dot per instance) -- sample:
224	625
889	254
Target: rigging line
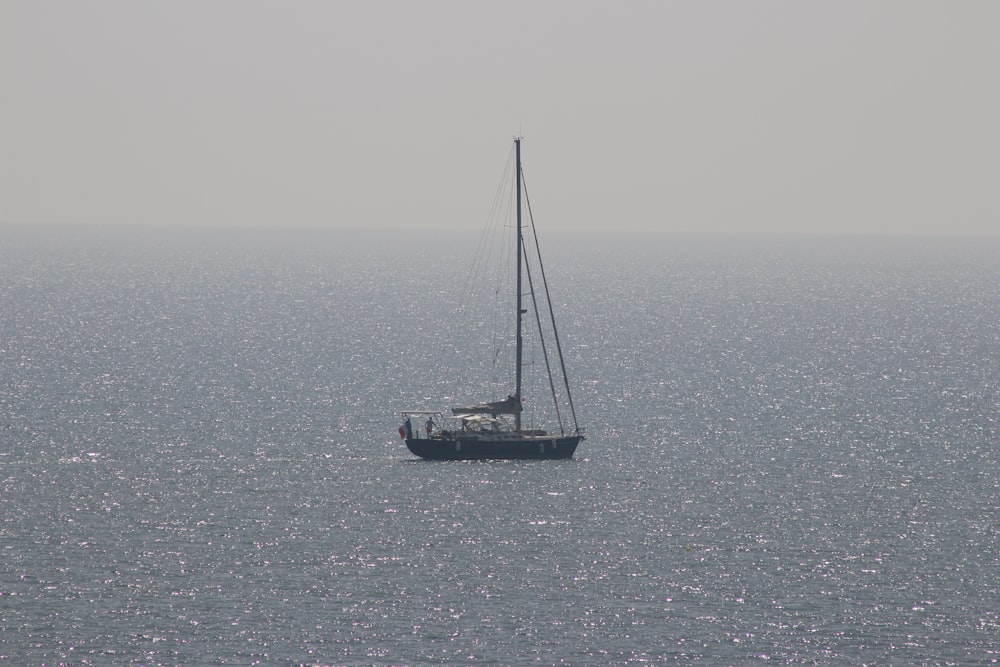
485	261
487	238
548	298
502	286
541	337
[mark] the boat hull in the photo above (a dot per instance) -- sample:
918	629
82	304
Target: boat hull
440	449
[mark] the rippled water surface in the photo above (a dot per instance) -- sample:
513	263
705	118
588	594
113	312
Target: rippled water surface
792	454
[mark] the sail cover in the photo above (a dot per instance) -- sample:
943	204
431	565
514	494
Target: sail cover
509	406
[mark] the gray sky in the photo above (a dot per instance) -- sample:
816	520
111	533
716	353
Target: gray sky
803	116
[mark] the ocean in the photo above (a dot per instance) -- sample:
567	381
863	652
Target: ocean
791	454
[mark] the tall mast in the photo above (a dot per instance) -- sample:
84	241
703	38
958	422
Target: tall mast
520	309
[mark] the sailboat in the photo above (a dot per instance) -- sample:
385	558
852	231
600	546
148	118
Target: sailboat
494	429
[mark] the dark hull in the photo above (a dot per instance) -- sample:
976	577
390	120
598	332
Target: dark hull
483	449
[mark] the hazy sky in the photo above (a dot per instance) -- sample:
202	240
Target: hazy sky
804	116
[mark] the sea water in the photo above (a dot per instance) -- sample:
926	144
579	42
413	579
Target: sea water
791	454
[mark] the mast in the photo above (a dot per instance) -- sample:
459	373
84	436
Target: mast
520	309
